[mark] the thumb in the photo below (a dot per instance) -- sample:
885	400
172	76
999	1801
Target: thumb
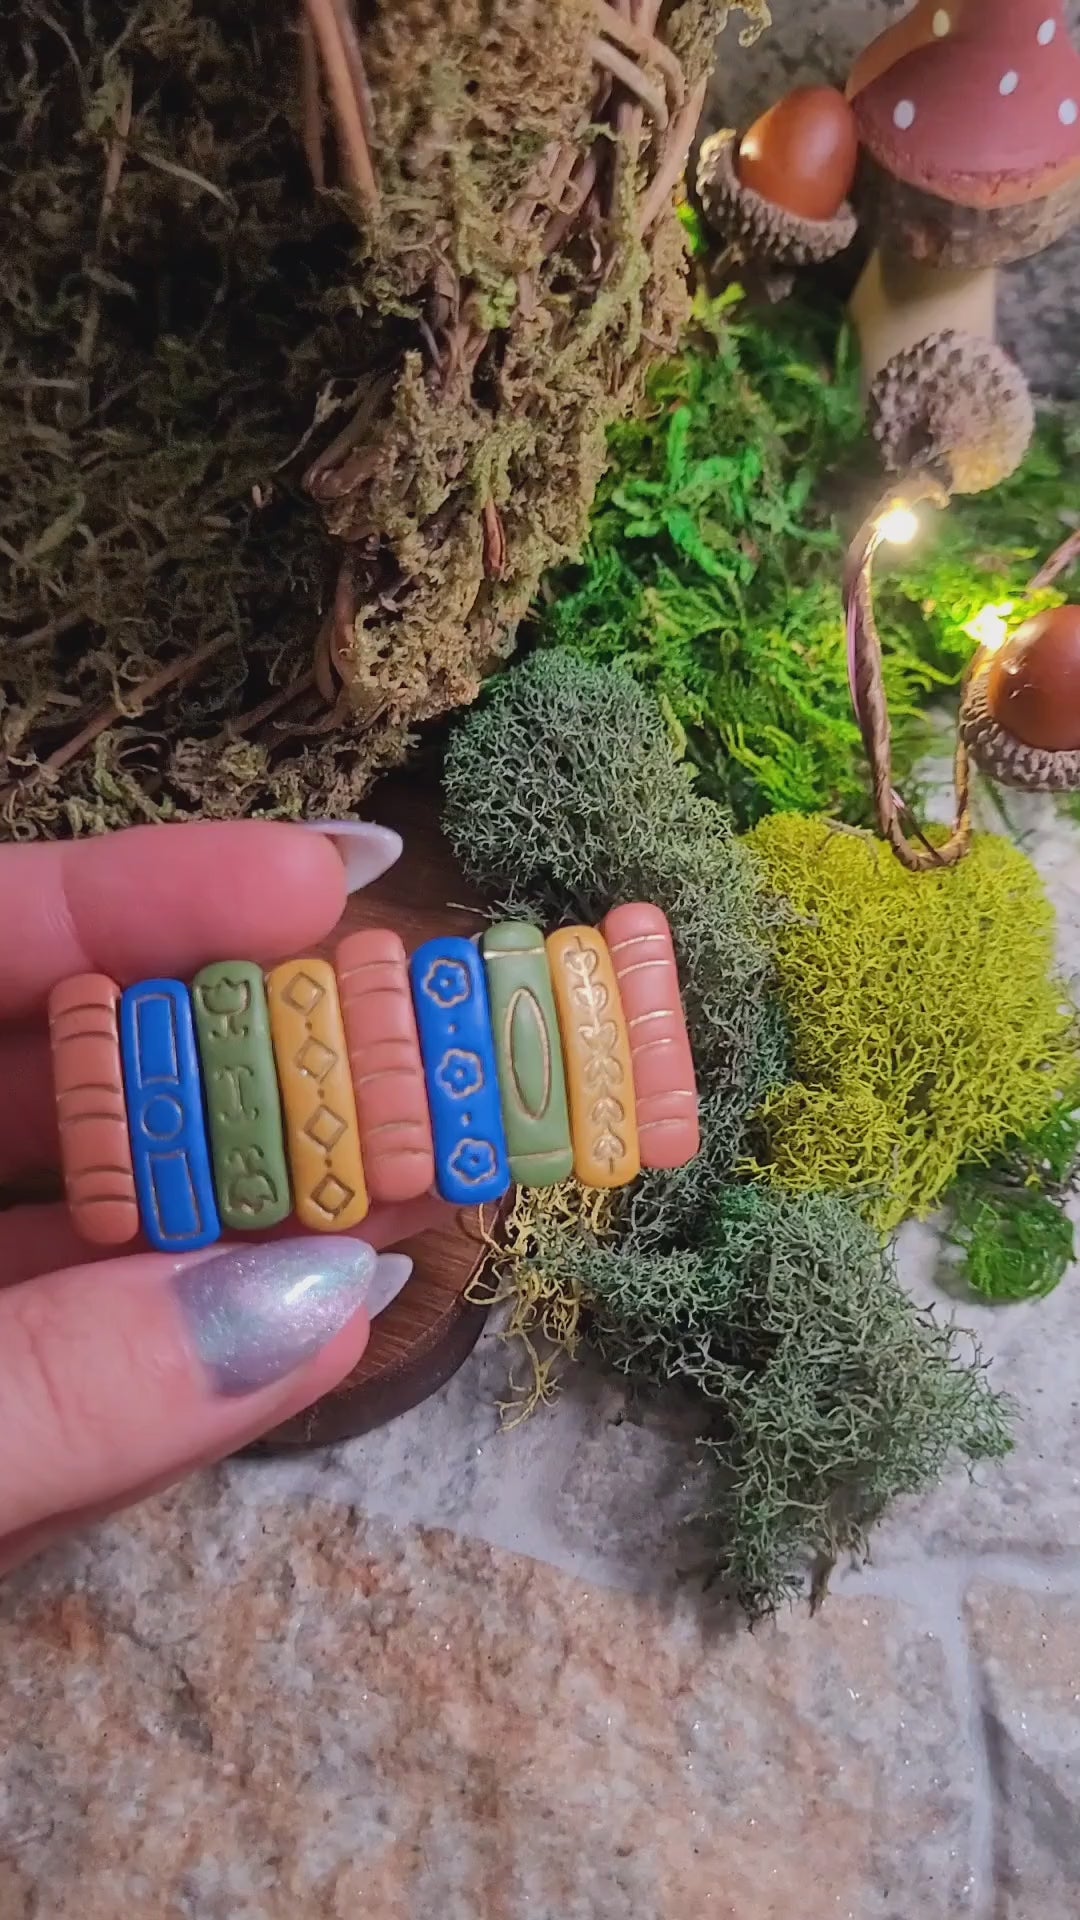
115	1375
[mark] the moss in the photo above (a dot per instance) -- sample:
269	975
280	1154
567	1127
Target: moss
186	326
1008	1217
819	1393
824	1395
564	795
714	563
928	1025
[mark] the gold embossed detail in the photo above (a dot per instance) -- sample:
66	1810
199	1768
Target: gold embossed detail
317	1095
603	1070
596	1048
523	1007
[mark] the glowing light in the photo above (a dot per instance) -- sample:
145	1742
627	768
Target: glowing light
988	627
898	525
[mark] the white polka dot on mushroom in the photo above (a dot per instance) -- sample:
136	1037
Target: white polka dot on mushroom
1009	82
1068	113
1046	32
941	23
904	114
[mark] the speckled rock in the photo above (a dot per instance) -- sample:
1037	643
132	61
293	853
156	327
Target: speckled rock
322	1716
812	41
1028	1646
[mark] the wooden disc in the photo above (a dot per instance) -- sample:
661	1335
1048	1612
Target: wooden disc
421	1339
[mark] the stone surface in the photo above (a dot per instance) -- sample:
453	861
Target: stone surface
322	1715
453	1671
1028	1645
816	40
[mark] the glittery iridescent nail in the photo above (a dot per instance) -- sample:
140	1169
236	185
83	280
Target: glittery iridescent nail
255	1313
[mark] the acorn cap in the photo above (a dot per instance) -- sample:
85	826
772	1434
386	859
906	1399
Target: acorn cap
1003	757
973	137
957	404
761	230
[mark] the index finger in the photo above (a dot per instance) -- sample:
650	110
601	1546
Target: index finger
161	900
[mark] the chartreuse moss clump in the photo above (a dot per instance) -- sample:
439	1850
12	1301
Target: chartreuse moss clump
714	563
826	1395
928	1026
820	1393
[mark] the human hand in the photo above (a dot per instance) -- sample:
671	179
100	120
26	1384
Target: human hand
120	1374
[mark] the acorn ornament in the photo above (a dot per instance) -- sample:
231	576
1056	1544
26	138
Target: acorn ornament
779	195
1020	715
954	404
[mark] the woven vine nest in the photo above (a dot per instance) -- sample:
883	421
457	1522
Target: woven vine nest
1000	755
755	229
311	325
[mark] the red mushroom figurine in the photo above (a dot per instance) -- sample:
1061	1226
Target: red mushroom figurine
928	20
972	145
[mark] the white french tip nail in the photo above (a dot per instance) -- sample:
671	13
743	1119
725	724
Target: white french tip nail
365	850
391	1272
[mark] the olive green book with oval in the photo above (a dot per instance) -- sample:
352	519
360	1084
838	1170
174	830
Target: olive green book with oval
243	1105
529	1055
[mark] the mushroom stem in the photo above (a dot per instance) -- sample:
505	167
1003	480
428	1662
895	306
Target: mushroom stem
899	302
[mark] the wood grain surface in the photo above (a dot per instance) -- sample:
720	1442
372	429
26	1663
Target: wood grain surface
424	1335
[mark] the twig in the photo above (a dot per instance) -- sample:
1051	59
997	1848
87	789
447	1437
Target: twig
335	36
266	709
494	541
313	126
561	222
114	168
138	699
871	706
52	629
336	632
673	164
627	71
1060	561
638	39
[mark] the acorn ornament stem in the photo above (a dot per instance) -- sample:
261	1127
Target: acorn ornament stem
893	518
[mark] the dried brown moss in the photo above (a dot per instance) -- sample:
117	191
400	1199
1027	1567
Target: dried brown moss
186	326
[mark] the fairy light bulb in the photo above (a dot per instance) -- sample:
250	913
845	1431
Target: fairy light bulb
989	627
898	525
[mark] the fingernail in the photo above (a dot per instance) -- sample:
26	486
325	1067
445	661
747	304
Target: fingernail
256	1313
390	1276
364	849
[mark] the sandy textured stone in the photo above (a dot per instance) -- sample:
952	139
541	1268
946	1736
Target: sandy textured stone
1027	1644
320	1716
815	41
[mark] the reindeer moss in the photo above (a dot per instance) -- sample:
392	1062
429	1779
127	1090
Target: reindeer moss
564	796
820	1394
186	324
826	1394
929	1028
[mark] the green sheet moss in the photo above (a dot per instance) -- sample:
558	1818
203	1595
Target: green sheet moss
713	567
